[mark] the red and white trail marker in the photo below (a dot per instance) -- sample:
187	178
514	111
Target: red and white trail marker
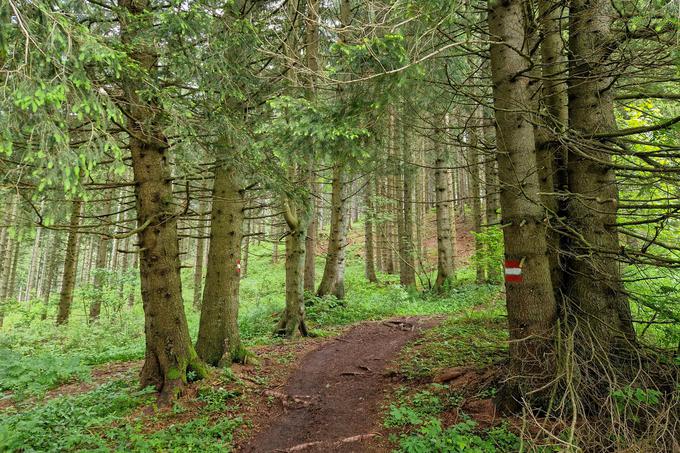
513	271
238	266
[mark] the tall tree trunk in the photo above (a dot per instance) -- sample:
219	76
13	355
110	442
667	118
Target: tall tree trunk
297	213
594	283
8	249
100	269
200	251
310	245
407	268
530	302
445	268
369	260
332	282
68	281
218	335
492	191
169	354
33	266
52	267
475	189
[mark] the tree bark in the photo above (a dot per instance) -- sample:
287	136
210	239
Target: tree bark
332	281
445	268
369	259
68	281
50	272
407	268
530	302
297	213
594	284
200	252
169	353
493	270
475	190
100	271
219	341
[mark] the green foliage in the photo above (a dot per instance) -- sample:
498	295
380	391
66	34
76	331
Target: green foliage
490	248
35	374
473	338
460	438
632	403
216	399
197	435
69	423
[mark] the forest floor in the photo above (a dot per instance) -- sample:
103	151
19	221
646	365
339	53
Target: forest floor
331	401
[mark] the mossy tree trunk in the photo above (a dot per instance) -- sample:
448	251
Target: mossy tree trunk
219	341
332	281
169	355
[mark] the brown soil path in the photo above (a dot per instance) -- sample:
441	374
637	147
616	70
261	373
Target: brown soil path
331	402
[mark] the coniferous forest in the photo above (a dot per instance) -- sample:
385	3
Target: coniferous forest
340	226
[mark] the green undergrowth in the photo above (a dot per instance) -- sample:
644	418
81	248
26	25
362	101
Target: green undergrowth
426	417
108	419
414	419
473	337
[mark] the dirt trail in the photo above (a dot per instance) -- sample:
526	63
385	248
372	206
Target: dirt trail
331	402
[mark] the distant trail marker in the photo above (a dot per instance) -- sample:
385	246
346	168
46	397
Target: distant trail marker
238	266
513	271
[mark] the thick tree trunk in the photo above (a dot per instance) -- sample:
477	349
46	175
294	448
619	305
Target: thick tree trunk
369	260
169	353
530	302
246	249
594	283
332	281
68	281
219	341
445	268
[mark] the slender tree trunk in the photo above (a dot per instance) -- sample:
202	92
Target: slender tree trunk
68	281
407	269
8	251
52	267
310	245
530	302
100	277
33	266
369	260
594	283
297	214
218	335
492	192
169	353
332	282
445	267
475	191
200	251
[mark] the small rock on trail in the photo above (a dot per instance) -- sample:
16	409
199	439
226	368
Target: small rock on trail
331	402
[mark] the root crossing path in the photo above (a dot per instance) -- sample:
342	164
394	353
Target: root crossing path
331	403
